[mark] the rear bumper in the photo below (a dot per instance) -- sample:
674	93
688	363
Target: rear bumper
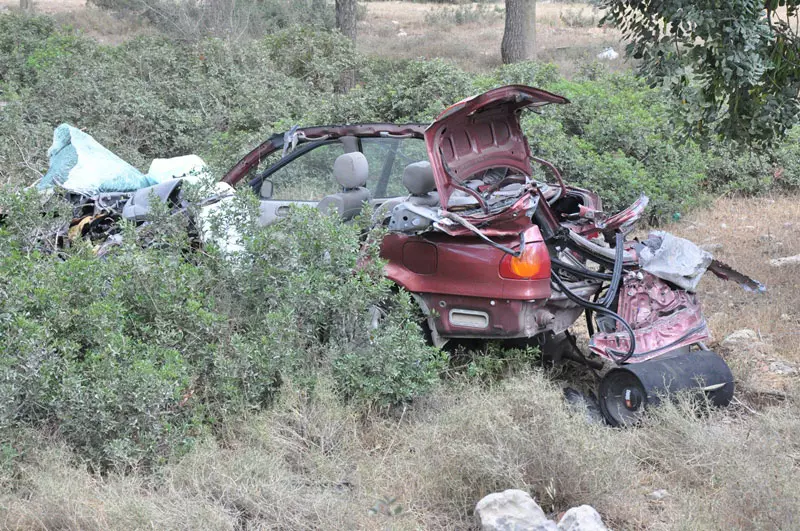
455	316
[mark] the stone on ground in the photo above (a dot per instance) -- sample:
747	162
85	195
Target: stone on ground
583	518
512	510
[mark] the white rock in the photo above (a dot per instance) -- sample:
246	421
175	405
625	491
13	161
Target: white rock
402	33
608	55
583	518
781	367
744	335
786	260
512	510
658	495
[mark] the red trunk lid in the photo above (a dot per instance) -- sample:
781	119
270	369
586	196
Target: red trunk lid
482	132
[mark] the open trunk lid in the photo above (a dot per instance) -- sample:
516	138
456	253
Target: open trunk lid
480	133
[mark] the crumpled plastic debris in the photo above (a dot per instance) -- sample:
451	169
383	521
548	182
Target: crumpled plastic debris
80	164
190	168
673	259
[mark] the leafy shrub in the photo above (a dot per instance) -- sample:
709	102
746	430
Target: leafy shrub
315	57
20	35
530	73
132	356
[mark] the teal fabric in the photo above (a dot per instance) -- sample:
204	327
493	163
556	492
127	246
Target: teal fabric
81	164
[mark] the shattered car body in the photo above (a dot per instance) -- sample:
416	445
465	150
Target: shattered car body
491	252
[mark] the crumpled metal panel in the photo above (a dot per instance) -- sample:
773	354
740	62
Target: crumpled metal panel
662	318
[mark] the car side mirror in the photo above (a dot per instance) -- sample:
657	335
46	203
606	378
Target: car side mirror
267	187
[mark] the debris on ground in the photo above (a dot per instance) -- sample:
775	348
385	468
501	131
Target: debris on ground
609	54
786	260
105	189
658	495
80	164
585	403
515	510
674	259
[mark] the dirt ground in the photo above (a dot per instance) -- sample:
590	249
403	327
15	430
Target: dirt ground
747	233
48	6
567	34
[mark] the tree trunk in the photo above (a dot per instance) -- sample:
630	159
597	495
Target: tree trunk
346	23
346	18
519	37
26	4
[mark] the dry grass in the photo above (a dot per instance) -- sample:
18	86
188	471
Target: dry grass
475	46
315	465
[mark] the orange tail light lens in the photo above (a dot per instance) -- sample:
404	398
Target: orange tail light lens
534	263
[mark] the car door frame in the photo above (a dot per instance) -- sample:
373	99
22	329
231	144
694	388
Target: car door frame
303	141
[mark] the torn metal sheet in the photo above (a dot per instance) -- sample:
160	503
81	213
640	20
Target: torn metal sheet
674	259
726	272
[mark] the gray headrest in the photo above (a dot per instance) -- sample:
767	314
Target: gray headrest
351	170
418	178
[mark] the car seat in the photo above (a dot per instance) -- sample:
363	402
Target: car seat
350	170
421	185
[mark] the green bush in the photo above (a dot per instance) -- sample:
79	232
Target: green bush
134	355
20	35
315	57
615	138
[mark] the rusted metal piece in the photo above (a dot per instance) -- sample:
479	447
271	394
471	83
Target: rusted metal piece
726	272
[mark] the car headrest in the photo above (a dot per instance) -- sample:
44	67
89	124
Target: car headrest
418	178
351	170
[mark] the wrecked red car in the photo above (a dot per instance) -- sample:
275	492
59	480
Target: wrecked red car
490	251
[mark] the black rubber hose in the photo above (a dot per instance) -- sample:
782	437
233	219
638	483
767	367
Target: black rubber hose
577	271
577	299
616	276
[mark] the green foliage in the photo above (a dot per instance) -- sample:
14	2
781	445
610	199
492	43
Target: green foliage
151	98
529	73
732	67
20	35
314	56
492	362
614	138
134	355
410	91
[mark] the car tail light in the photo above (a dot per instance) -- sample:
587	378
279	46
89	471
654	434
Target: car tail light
534	262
